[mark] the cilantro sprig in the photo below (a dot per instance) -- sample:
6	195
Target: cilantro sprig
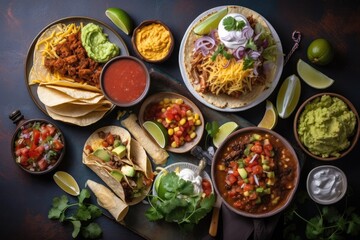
179	203
230	23
221	50
328	223
80	214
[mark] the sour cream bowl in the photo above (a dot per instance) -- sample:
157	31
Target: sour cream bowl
326	184
125	81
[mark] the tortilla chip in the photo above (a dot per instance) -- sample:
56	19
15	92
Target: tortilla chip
158	155
223	100
108	200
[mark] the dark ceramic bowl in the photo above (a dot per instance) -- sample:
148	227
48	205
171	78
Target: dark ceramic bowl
136	48
125	81
353	139
284	177
43	157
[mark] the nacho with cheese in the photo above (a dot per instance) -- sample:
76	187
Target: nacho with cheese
233	64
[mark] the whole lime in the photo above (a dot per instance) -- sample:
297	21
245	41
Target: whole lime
320	52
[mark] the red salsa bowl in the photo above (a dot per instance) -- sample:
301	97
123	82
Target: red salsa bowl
255	172
125	81
37	145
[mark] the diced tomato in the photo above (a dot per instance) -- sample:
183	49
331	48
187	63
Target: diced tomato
253	196
206	186
24	161
256	149
57	145
248	187
257	169
36	137
109	139
232	179
43	164
238	204
232	193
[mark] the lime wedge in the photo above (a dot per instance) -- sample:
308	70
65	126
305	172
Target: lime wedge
224	130
270	117
157	131
288	96
210	23
120	18
66	182
313	77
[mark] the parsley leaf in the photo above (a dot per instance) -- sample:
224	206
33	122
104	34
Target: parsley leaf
82	215
230	24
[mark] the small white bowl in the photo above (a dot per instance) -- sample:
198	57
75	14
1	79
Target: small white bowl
326	184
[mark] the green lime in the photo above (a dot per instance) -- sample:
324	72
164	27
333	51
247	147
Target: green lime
270	117
67	183
288	96
158	132
120	18
320	52
224	130
210	23
313	77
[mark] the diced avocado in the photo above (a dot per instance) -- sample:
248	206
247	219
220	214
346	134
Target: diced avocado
120	151
259	189
247	149
117	175
102	154
139	180
266	167
255	137
128	170
242	172
117	143
270	174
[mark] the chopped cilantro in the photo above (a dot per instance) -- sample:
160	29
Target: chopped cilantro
230	23
81	218
221	50
248	63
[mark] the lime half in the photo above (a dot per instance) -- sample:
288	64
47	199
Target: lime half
224	130
120	18
288	96
66	182
270	117
210	23
313	77
157	131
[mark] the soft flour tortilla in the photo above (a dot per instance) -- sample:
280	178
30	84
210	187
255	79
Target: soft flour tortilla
158	155
224	100
136	157
108	200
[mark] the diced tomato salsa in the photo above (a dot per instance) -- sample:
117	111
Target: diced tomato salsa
256	173
177	117
38	146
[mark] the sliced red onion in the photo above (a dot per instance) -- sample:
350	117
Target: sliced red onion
247	32
253	158
239	53
204	44
257	36
255	68
254	54
256	179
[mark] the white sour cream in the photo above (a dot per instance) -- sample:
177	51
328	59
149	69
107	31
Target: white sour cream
233	39
327	185
189	175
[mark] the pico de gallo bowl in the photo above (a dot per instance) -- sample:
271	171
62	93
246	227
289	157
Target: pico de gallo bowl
256	172
37	146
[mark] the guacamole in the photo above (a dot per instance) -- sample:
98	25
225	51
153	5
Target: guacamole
325	126
96	43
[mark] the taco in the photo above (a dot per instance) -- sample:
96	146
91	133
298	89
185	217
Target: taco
230	75
120	162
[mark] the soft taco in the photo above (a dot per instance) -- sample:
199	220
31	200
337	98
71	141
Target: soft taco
231	75
120	162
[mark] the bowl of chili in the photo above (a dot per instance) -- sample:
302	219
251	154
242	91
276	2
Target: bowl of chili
37	145
125	81
256	172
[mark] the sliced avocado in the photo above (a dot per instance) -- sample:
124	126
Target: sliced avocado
128	170
102	154
117	175
117	143
120	151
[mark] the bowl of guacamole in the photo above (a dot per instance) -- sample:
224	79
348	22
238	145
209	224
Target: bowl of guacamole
326	126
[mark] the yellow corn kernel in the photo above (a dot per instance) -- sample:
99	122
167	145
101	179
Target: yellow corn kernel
190	118
176	129
166	100
196	116
173	144
163	110
193	135
167	120
198	122
189	113
159	120
182	121
170	131
179	101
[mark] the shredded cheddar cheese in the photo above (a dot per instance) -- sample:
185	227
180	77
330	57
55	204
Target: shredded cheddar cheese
226	77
